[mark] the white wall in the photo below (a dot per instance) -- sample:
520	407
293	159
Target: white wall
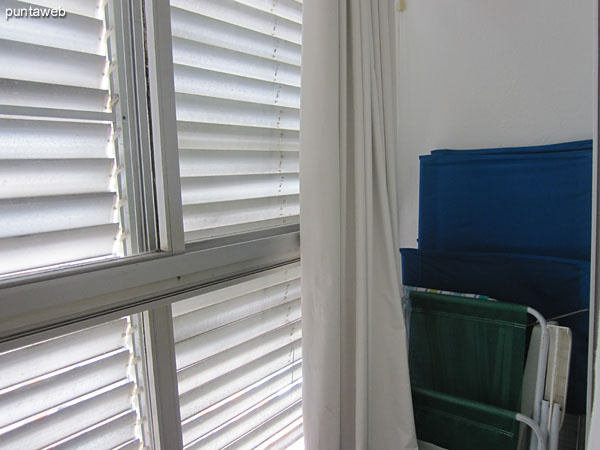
489	73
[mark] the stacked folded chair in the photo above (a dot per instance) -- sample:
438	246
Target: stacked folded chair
513	225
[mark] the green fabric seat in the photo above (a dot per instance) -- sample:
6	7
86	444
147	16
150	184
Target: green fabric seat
458	424
467	359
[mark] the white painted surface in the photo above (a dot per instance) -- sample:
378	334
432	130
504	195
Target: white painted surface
477	73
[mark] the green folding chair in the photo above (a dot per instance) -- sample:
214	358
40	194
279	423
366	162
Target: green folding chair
467	359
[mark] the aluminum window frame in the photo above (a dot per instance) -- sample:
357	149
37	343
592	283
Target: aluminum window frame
82	290
130	62
157	350
45	304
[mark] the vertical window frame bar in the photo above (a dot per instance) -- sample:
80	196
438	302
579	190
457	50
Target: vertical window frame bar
142	374
165	419
164	126
126	148
146	161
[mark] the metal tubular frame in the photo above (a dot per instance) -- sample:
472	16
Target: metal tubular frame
540	377
541	438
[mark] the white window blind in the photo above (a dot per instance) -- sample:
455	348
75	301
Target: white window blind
239	364
59	165
75	391
237	83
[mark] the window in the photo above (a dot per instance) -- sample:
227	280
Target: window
237	87
237	83
239	363
149	169
67	152
75	390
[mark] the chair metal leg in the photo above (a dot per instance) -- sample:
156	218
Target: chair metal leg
540	375
541	443
555	427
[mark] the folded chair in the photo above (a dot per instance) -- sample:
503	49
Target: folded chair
467	359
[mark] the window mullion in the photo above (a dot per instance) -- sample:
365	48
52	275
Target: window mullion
122	51
164	127
140	103
121	92
162	379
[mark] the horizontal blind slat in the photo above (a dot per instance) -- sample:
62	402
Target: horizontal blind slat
208	369
197	135
210	57
255	409
29	178
293	437
230	162
133	445
287	273
71	32
203	424
207	319
45	357
288	9
208	344
232	382
271	427
198	108
194	81
62	387
52	65
48	139
196	27
44	95
55	114
45	214
241	15
110	435
69	421
222	214
57	247
196	190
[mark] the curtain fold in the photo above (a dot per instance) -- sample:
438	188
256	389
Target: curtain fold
356	379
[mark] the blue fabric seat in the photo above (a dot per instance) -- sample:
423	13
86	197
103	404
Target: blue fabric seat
508	200
513	224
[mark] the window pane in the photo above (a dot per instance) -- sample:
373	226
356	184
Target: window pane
63	146
79	389
237	83
239	363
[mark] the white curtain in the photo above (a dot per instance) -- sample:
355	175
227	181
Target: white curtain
356	392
